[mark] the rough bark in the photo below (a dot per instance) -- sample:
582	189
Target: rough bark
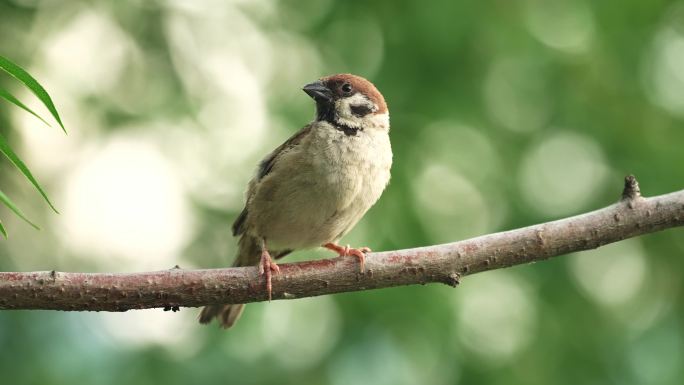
633	215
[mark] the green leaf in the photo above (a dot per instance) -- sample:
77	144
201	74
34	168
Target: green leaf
5	199
9	153
10	98
2	230
35	87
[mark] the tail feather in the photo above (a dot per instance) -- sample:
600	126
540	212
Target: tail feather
227	315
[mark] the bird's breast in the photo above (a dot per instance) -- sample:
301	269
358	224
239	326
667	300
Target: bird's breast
333	180
352	166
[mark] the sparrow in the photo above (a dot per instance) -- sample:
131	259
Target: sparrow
311	190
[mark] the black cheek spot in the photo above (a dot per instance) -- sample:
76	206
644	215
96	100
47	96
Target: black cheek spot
361	110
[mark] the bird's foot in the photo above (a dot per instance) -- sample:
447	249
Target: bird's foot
344	251
266	267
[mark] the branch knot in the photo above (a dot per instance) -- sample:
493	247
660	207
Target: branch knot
453	279
631	190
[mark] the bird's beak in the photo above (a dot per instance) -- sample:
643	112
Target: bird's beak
318	91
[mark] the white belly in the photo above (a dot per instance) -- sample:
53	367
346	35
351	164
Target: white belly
317	194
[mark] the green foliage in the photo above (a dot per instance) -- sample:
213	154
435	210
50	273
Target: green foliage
32	84
12	156
10	98
504	114
7	202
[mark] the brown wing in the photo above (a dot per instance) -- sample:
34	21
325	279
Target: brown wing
265	167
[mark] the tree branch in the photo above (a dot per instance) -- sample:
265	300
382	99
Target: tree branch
632	216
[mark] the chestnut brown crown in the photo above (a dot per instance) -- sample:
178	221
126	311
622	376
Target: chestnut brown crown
338	97
343	85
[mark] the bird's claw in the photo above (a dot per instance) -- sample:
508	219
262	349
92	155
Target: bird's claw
344	251
266	267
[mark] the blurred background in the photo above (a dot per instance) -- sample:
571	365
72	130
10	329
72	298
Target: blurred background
504	114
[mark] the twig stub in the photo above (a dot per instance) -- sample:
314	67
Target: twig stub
631	190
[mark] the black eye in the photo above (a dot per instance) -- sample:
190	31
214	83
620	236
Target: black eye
346	88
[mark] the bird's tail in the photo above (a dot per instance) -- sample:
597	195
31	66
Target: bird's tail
248	255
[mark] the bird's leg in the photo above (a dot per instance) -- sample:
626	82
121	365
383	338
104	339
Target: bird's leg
266	266
344	251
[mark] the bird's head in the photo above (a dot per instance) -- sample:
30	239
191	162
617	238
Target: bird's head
349	100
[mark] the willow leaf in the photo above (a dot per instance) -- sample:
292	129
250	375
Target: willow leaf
10	98
32	84
8	202
9	153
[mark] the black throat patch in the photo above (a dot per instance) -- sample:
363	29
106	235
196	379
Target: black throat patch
325	112
349	131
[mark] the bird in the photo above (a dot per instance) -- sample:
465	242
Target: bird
314	188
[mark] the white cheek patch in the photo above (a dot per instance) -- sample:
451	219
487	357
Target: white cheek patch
346	116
